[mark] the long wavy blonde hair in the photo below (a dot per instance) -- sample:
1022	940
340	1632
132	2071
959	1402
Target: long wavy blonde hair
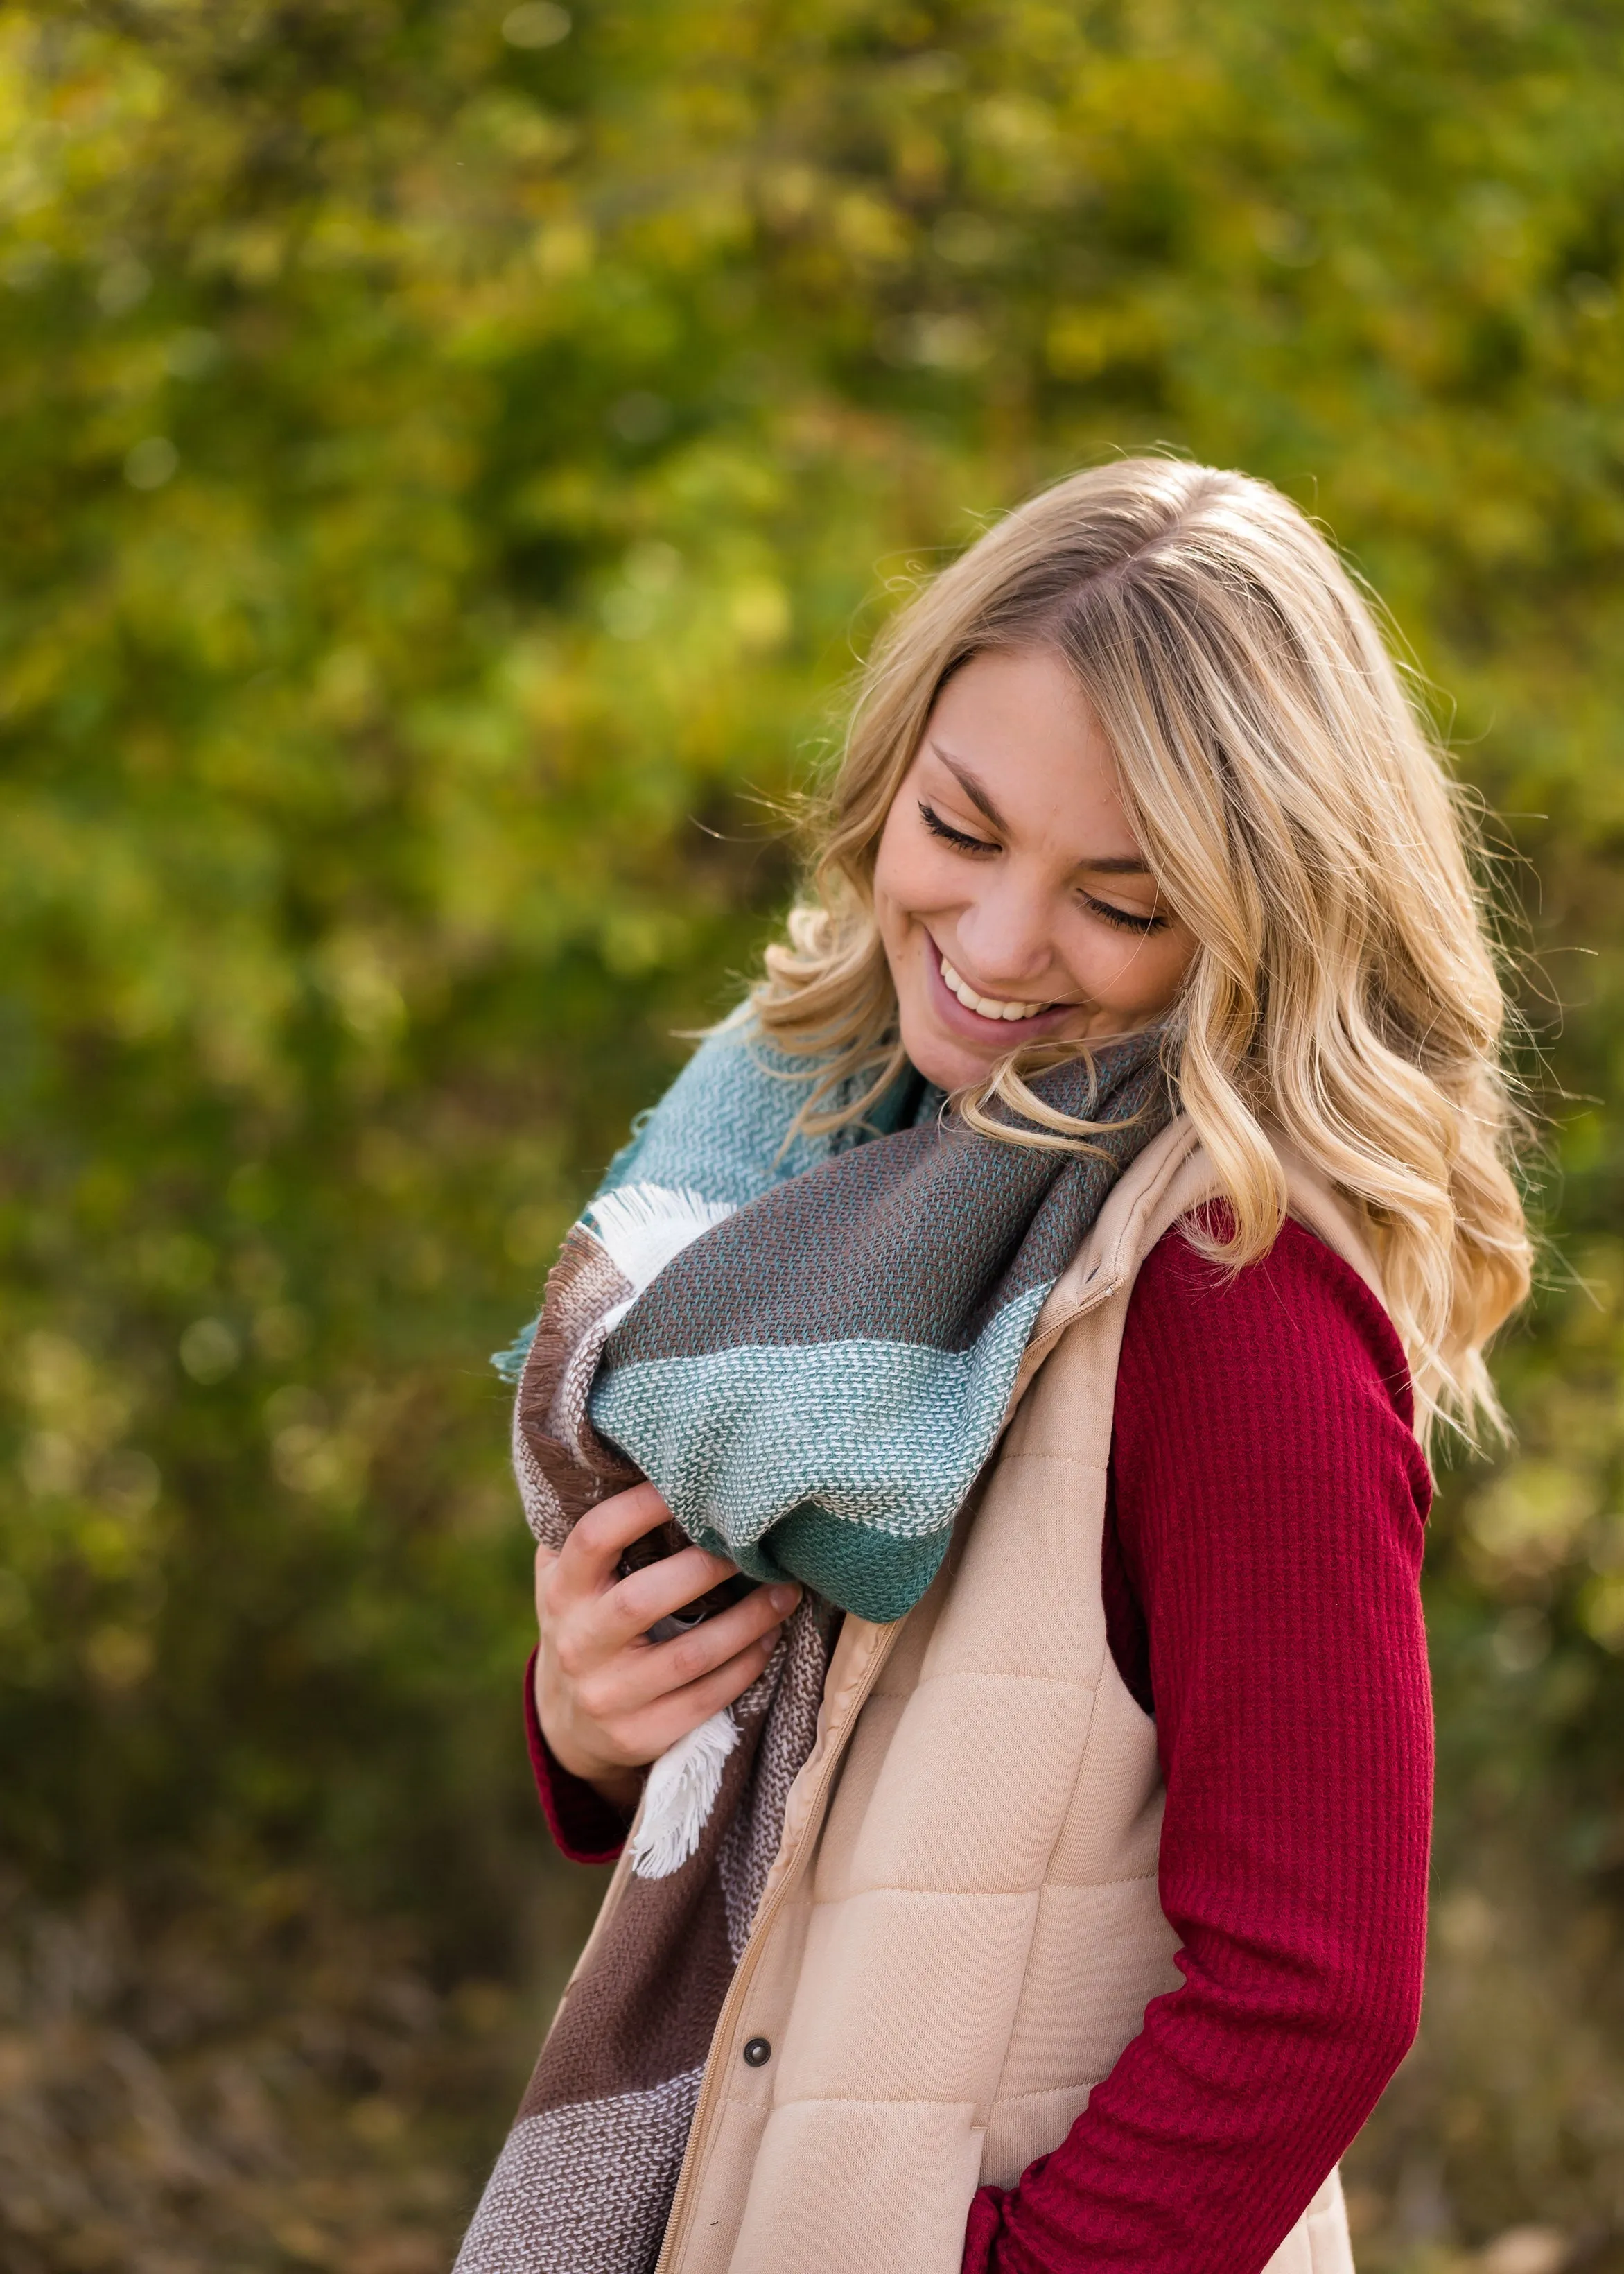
1298	818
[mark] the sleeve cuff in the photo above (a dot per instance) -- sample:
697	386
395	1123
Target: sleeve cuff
585	1827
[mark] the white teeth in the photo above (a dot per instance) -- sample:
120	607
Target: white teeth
986	1006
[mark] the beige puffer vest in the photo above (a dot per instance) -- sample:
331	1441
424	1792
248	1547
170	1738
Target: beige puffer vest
961	1932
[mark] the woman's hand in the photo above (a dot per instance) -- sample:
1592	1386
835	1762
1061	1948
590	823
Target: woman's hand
610	1701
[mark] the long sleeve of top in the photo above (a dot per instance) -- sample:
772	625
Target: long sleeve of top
1269	1501
1260	1564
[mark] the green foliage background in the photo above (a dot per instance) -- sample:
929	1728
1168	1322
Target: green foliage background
448	458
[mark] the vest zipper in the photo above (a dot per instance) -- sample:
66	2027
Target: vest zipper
709	2085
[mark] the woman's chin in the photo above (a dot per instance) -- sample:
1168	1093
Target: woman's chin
943	1059
953	1064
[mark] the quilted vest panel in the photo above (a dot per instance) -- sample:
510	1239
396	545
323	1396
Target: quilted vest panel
962	1931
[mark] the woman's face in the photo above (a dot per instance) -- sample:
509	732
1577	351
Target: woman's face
1013	902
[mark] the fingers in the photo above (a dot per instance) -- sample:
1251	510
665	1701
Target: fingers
607	1698
634	1679
604	1531
649	1733
587	1564
691	1657
631	1607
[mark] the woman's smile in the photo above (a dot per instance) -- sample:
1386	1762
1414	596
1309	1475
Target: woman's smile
987	1018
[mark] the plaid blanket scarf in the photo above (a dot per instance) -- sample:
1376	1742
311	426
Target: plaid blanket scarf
809	1349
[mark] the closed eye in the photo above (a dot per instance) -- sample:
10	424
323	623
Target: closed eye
958	838
1124	919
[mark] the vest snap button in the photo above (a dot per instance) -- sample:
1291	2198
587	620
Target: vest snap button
758	2053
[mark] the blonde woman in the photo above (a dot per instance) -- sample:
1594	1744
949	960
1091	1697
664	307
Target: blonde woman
976	1439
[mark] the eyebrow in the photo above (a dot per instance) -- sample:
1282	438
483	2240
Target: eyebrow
1107	864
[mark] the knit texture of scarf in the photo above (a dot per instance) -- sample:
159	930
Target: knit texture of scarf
810	1350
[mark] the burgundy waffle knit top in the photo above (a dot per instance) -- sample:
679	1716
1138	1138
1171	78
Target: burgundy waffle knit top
1261	1558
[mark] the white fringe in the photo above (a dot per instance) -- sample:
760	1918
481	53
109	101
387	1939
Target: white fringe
643	1226
680	1794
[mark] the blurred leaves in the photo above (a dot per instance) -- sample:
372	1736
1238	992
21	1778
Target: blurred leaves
449	456
267	2087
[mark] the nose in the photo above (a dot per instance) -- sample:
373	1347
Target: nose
1005	933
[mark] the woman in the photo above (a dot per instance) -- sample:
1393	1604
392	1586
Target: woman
1044	1289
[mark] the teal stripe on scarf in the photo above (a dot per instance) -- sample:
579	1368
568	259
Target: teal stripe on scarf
839	1463
814	1381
